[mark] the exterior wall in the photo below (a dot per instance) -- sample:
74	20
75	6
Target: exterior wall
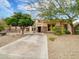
44	29
69	29
44	25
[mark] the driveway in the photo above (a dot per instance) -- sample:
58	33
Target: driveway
33	46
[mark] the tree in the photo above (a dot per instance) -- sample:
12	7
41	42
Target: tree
22	24
8	22
70	10
25	21
16	17
19	19
59	8
11	21
47	9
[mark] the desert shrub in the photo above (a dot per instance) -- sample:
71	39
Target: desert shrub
67	32
1	28
77	30
57	30
51	38
60	30
2	25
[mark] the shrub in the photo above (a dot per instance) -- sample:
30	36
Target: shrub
57	30
67	32
60	30
1	28
77	30
51	38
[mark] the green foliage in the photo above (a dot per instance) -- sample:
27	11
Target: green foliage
67	32
77	29
64	8
2	25
2	28
23	22
47	10
60	31
57	30
19	19
8	21
51	38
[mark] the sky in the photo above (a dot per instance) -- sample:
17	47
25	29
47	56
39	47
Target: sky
7	7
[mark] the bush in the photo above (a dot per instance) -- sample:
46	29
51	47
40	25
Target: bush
60	30
57	30
77	30
1	28
51	38
67	32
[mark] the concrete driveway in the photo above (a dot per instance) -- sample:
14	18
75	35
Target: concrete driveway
33	46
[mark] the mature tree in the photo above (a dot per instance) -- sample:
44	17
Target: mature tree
9	22
57	8
25	21
47	9
19	19
16	17
68	9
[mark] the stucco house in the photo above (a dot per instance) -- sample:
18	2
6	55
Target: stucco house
45	25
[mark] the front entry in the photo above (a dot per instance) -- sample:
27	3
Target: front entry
39	29
49	27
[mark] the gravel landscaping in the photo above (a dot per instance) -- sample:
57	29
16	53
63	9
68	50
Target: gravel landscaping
64	47
10	37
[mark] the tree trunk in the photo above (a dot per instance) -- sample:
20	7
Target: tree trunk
72	28
23	28
9	27
15	28
22	31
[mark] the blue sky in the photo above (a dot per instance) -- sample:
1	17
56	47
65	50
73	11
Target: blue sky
7	7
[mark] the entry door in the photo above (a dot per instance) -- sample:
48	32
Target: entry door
49	27
39	29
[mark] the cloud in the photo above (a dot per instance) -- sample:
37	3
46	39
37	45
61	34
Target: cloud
25	7
35	5
20	5
27	0
5	5
22	0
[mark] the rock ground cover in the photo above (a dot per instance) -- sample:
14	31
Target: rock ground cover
64	47
10	37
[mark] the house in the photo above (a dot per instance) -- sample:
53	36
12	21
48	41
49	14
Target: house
45	25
